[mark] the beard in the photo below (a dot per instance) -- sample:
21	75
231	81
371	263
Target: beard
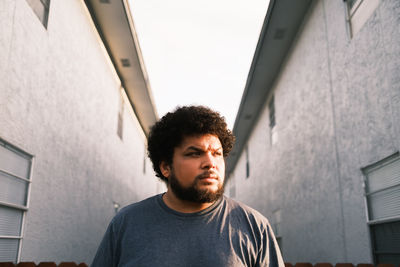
193	193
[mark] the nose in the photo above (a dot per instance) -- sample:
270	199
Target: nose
209	162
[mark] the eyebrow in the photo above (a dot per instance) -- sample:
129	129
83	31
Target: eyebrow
200	149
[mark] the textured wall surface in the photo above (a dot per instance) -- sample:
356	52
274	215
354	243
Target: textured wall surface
337	106
59	100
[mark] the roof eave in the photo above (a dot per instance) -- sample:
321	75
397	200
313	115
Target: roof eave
115	25
280	27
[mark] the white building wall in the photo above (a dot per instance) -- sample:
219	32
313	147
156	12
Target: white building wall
59	100
337	110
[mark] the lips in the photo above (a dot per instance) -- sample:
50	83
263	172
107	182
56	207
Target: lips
208	175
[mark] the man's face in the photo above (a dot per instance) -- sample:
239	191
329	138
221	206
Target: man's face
198	169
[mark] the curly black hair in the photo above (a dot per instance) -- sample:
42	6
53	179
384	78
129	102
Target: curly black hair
172	128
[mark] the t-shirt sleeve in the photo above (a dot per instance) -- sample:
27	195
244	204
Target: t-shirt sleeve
269	254
105	255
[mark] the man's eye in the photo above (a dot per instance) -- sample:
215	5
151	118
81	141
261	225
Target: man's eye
193	154
218	153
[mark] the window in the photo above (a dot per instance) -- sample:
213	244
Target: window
276	226
232	183
247	162
358	12
144	160
272	121
15	178
271	109
382	191
120	124
41	9
232	191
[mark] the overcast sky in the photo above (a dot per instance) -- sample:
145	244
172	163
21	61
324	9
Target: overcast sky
198	52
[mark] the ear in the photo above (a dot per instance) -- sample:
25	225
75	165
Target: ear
165	169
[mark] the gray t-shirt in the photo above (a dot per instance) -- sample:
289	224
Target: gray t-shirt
149	233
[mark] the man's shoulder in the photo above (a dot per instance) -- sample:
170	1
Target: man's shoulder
145	205
237	208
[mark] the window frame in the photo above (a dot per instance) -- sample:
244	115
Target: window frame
23	208
358	14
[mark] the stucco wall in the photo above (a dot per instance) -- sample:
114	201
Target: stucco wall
60	99
337	110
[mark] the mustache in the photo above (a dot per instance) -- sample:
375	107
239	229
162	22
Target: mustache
208	174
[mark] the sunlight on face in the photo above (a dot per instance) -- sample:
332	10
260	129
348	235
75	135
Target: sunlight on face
198	169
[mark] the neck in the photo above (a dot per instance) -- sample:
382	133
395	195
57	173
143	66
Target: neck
183	206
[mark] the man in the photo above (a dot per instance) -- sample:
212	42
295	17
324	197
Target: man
192	224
